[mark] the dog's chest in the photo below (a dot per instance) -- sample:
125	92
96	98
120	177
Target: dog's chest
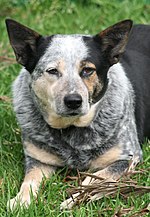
76	146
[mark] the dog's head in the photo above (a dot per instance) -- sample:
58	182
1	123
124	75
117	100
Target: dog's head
68	72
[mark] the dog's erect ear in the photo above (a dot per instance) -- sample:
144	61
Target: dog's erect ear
114	39
23	41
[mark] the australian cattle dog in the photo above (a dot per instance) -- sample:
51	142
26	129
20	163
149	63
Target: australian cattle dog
82	101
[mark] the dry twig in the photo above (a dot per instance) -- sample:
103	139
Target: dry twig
5	99
7	59
100	187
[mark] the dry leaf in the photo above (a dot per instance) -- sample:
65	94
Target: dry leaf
5	99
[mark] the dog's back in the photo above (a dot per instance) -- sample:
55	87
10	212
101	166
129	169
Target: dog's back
136	61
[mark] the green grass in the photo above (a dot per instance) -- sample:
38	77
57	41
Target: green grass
50	17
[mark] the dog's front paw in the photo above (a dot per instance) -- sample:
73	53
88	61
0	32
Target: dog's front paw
22	200
70	202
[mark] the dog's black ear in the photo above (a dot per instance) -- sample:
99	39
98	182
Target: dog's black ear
23	41
114	39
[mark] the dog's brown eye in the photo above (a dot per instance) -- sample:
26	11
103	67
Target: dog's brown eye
52	71
87	71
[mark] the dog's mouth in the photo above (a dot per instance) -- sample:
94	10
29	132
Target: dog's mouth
72	114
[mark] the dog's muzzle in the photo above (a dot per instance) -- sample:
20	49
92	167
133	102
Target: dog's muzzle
73	101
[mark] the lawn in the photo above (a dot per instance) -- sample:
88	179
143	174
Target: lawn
51	17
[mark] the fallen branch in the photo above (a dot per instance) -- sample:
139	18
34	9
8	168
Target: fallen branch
101	187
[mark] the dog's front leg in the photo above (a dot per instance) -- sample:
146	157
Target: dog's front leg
112	172
30	185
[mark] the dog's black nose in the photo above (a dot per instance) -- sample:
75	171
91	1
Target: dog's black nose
73	101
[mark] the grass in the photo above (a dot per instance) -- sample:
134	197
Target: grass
50	17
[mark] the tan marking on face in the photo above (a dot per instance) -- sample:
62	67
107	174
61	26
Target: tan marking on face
45	89
92	82
87	64
61	66
31	182
41	155
106	159
59	122
85	120
42	88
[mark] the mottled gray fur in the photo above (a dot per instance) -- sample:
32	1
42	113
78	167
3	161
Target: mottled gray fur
113	124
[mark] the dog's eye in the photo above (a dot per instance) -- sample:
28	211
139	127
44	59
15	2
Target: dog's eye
87	71
52	71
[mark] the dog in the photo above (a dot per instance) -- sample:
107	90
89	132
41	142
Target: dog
81	101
